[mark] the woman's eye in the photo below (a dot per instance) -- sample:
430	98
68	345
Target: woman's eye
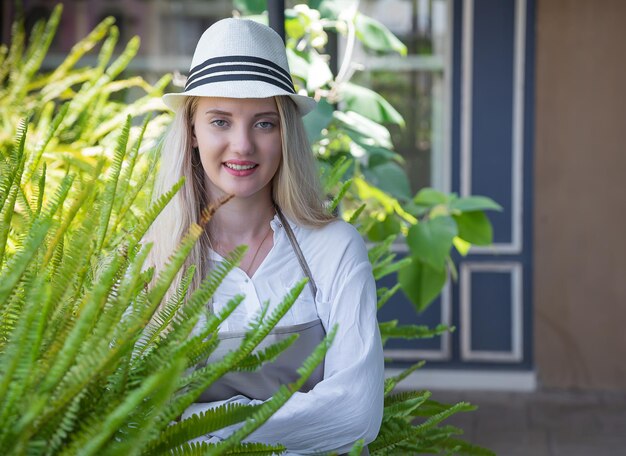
219	123
265	125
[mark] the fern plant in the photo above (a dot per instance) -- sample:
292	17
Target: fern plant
92	361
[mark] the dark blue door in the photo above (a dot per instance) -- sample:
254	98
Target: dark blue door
490	129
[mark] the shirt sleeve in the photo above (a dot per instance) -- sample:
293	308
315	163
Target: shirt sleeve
347	405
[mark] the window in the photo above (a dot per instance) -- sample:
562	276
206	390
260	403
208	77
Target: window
416	85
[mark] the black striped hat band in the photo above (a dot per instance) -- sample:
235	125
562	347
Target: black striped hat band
239	68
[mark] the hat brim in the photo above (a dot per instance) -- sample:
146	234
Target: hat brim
239	89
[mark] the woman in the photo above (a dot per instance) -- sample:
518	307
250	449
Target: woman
238	131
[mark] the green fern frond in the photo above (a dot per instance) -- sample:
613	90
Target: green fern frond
384	294
127	172
256	449
12	273
204	377
201	424
357	448
185	320
79	50
39	191
57	238
158	387
35	157
340	194
124	59
22	348
87	311
12	186
108	46
76	259
192	449
356	214
391	382
389	330
147	104
199	347
269	407
403	405
173	266
165	314
54	204
112	321
269	354
439	417
67	283
393	432
16	51
63	88
406	395
339	169
387	267
66	426
90	89
108	197
35	55
148	217
383	248
209	337
432	407
177	340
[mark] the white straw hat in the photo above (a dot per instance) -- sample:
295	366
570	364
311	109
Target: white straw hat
239	58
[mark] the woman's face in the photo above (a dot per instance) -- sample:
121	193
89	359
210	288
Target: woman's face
239	143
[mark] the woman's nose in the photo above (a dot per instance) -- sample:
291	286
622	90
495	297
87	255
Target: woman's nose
242	141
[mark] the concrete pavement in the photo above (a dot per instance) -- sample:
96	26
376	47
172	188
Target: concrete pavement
544	423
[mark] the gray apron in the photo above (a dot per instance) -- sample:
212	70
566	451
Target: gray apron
264	382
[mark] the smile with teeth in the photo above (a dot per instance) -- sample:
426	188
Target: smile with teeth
240	167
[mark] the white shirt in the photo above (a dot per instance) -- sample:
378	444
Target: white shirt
347	404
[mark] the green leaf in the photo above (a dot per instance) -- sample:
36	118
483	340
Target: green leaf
364	128
379	155
474	227
250	6
376	36
381	230
317	120
430	197
331	9
421	283
390	178
430	241
474	203
294	28
461	245
370	104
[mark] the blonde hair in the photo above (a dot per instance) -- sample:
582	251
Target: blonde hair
295	186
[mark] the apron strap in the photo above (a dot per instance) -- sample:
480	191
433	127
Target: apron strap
296	248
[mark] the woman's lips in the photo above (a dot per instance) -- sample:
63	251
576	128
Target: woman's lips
240	168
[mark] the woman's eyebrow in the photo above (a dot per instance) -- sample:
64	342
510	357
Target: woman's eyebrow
226	113
219	112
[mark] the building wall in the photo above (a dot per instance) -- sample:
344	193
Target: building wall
580	194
